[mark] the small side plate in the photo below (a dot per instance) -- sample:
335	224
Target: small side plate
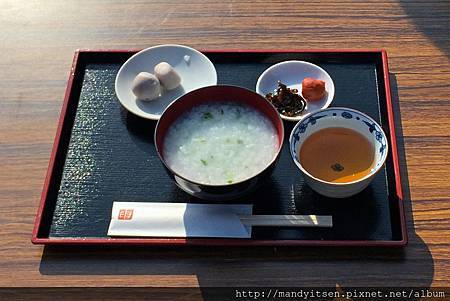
195	69
292	73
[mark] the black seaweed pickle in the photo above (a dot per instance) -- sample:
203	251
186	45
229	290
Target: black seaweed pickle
287	101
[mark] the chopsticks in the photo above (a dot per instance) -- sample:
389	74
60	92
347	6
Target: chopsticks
325	221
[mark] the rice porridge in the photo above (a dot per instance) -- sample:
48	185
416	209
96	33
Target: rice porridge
220	143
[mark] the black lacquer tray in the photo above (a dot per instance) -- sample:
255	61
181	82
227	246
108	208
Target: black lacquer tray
102	154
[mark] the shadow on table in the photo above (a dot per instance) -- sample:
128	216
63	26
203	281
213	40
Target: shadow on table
282	266
432	19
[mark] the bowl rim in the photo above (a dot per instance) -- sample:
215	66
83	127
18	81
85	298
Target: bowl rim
296	62
370	174
274	159
140	113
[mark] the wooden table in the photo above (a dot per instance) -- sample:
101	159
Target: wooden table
38	39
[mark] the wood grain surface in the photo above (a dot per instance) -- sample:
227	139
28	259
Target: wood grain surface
38	39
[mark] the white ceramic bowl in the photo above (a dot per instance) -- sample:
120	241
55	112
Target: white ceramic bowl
346	118
195	69
292	73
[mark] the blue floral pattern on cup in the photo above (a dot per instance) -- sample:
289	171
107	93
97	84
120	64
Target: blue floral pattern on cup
373	128
312	120
346	115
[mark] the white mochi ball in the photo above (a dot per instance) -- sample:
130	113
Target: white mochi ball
167	75
146	86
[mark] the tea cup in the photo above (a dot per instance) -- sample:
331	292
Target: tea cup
335	117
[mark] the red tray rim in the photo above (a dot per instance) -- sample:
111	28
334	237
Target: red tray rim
220	241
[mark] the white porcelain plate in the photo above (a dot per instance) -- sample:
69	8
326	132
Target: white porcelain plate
292	73
194	68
